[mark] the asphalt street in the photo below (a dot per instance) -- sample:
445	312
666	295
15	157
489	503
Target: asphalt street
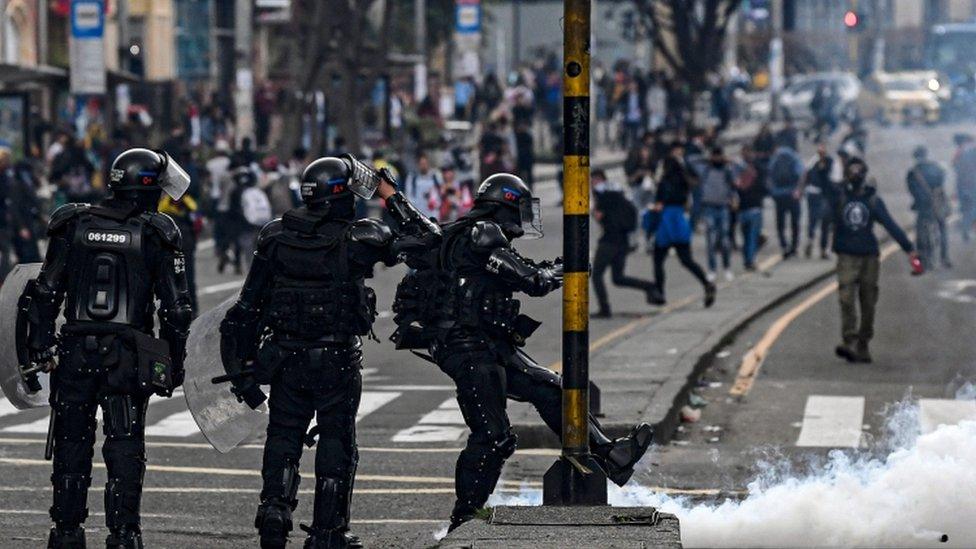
410	429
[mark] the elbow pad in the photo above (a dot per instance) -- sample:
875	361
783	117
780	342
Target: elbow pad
410	220
42	311
507	264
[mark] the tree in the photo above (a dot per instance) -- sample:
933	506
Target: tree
689	35
339	47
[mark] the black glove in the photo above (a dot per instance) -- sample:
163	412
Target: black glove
250	394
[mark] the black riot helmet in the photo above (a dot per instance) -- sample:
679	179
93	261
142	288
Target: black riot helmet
138	173
511	204
325	185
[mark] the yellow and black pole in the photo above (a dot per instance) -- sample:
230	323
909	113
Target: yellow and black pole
575	479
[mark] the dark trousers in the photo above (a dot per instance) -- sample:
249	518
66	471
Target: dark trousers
485	380
857	278
684	256
78	386
324	383
818	217
929	229
787	206
614	256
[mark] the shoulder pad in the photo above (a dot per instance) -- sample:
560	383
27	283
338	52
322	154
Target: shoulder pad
268	233
488	236
165	227
64	214
370	231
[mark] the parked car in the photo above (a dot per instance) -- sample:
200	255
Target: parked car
797	95
901	97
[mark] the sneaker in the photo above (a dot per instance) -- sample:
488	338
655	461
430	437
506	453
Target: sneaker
824	254
729	275
750	267
808	250
862	354
711	276
788	254
654	296
709	295
846	351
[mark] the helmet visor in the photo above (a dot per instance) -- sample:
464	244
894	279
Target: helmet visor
174	180
531	212
364	180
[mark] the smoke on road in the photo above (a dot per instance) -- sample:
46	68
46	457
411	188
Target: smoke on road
907	491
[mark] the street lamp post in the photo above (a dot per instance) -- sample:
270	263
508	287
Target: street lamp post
575	478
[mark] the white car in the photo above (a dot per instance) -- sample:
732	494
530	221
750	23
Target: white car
798	94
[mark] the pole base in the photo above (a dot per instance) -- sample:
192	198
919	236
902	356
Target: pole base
566	483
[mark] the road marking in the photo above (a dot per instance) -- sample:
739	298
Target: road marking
444	424
832	422
221	288
405	479
184	517
406	388
180	424
753	360
956	290
7	408
933	412
372	401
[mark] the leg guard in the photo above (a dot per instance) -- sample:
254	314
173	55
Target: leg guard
619	456
73	538
125	458
478	468
273	519
70	507
329	523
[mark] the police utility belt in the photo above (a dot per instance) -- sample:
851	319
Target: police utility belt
153	364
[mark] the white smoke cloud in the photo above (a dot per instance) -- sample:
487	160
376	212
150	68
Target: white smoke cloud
919	491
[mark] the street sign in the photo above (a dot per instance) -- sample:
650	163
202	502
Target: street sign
468	17
87	47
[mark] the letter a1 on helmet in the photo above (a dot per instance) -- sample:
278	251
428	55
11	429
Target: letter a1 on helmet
224	421
22	386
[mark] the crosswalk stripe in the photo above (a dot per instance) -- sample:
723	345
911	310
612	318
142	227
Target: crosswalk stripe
832	422
933	412
7	408
374	400
445	424
180	424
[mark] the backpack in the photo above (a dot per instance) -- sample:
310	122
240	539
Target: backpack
781	173
255	206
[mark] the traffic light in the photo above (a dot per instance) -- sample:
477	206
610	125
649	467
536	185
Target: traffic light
854	21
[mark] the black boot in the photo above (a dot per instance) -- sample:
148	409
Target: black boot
619	456
273	522
125	537
66	538
329	539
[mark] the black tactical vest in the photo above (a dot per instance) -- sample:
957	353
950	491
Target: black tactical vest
315	293
112	281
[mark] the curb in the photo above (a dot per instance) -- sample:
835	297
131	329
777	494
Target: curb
664	415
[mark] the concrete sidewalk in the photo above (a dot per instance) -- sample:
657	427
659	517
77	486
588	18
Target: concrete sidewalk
646	368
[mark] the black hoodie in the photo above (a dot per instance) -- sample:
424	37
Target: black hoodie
855	213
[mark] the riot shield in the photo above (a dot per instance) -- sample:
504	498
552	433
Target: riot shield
224	421
23	390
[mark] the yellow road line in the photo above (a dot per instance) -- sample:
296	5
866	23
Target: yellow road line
753	360
544	452
406	479
183	517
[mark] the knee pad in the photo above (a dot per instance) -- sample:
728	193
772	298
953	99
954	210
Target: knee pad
70	507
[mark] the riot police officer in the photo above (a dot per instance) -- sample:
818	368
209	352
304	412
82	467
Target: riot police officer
108	263
297	326
461	307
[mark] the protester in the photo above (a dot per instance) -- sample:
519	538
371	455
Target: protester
784	177
25	212
718	198
617	215
249	211
423	186
674	230
856	208
752	193
525	152
817	183
926	183
964	165
221	185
